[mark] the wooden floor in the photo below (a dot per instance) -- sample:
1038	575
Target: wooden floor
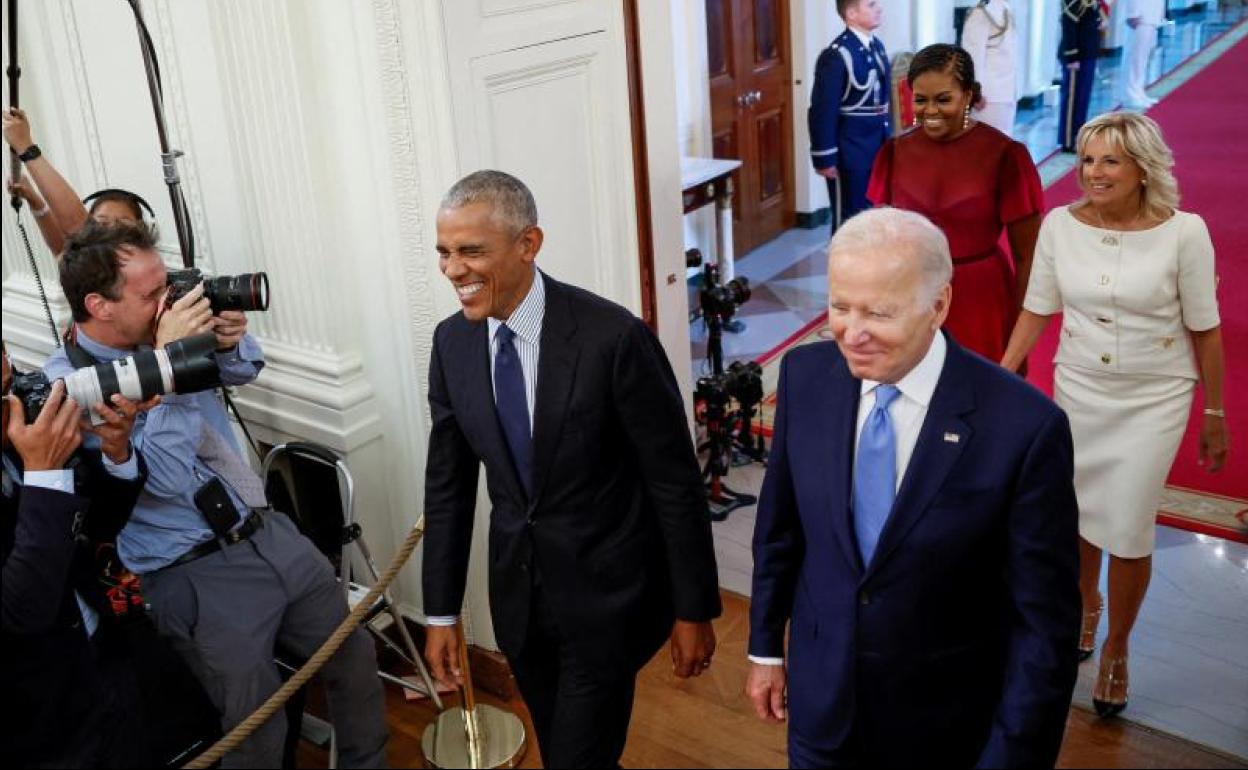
706	722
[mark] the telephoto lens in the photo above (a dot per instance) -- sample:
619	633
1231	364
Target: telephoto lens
246	291
183	366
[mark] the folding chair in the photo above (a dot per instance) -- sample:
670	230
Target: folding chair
312	484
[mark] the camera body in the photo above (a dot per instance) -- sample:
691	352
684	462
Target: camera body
722	300
33	390
246	291
743	383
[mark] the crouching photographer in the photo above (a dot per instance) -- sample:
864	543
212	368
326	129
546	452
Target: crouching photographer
60	501
225	576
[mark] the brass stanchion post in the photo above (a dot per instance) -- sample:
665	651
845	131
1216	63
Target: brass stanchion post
475	735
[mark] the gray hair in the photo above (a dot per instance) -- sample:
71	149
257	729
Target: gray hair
903	233
510	200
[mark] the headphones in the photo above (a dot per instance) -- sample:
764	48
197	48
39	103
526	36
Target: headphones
112	193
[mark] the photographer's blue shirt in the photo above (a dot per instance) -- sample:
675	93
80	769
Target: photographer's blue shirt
165	523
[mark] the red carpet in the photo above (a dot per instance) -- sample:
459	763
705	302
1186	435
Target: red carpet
1203	122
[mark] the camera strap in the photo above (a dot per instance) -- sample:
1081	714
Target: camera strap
77	356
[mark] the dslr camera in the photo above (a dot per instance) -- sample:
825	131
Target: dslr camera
248	291
183	366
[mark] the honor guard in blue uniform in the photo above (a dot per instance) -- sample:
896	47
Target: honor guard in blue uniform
849	108
1080	46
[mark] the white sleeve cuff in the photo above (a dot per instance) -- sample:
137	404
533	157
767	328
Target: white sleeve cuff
61	480
442	620
766	661
127	471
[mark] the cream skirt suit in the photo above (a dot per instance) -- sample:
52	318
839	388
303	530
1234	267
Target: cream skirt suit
1125	370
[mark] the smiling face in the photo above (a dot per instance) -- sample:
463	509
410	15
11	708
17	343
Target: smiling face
940	104
490	266
881	314
1110	178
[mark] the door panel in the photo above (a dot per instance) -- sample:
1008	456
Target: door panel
751	113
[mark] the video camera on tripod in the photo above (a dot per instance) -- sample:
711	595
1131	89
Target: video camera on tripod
729	431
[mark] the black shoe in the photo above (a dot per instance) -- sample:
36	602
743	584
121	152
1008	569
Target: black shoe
1105	683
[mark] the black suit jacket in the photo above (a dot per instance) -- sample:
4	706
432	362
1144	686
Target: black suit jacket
49	673
617	531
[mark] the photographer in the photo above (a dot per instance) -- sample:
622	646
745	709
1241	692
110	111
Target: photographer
59	709
225	577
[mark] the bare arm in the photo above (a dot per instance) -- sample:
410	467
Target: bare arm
67	208
1023	235
1215	440
51	231
1027	331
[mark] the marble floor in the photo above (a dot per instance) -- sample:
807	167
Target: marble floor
1188	670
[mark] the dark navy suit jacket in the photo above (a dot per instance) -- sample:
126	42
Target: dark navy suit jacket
848	124
1081	31
957	644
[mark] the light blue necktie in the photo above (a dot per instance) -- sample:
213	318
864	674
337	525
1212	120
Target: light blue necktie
875	473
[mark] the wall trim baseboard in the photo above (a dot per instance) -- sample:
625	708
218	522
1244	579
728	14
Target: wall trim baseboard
813	220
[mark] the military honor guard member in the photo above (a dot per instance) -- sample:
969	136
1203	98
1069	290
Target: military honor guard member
990	36
1081	44
849	108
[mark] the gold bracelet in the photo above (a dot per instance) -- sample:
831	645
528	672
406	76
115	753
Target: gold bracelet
1215	412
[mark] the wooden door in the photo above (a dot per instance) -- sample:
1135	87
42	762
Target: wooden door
752	112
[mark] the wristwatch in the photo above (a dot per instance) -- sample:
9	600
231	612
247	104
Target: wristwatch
30	153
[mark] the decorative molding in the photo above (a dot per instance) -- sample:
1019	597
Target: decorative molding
405	177
319	397
84	102
309	388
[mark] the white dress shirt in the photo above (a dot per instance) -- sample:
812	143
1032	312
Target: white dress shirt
908	412
526	321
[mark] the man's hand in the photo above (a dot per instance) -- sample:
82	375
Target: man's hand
693	646
229	327
118	424
48	442
189	316
827	173
17	130
765	687
1073	66
442	654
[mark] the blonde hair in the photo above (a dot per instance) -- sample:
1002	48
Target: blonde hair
1139	138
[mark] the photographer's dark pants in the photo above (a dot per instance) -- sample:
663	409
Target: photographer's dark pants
226	612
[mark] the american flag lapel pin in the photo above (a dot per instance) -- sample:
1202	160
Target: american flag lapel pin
952	438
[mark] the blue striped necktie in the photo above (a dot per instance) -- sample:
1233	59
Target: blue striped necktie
875	473
513	406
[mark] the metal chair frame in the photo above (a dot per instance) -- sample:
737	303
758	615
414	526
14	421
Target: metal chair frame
353	535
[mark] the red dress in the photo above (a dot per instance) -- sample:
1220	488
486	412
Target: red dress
971	188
